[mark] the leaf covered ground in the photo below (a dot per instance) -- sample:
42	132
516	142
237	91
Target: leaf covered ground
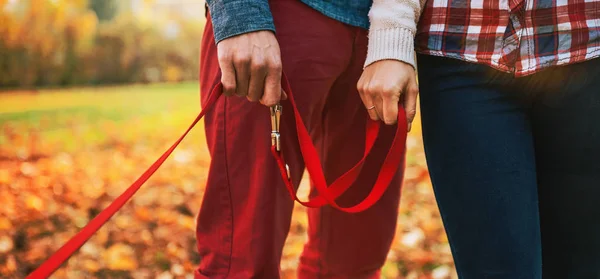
65	154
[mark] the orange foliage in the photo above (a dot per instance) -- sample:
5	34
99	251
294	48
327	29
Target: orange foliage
53	184
62	42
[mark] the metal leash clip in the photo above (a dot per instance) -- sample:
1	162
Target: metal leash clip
275	135
275	119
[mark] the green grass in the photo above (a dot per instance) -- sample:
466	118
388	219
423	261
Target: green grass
115	103
55	115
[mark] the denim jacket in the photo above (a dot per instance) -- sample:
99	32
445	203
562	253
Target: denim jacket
234	17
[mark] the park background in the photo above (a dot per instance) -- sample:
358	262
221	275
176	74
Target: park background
91	93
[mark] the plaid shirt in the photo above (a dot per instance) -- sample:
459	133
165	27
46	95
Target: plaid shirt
516	36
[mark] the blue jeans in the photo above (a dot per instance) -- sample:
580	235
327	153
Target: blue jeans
515	166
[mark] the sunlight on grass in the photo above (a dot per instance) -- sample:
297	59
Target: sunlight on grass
95	113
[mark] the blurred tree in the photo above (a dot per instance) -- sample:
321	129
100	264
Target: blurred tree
104	9
59	42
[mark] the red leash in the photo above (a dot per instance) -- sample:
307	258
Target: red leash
327	195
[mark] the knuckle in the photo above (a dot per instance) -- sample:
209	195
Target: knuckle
258	65
362	87
389	90
384	89
223	57
275	66
373	89
363	90
242	59
228	86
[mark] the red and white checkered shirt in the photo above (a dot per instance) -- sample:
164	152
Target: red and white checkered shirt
516	36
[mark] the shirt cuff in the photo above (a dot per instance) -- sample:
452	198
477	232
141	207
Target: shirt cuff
392	43
235	17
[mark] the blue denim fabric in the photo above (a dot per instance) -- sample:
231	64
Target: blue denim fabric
515	167
234	17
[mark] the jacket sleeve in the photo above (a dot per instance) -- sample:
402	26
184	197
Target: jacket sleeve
235	17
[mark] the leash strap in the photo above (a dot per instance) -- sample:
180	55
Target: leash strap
327	194
69	248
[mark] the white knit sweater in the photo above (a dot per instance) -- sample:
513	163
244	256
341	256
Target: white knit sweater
392	31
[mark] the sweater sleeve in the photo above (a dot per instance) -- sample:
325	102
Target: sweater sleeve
392	30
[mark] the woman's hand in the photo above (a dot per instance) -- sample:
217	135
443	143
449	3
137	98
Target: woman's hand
383	85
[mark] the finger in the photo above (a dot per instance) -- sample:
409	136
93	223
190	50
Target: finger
390	110
242	76
378	103
284	96
228	78
366	99
410	104
256	86
369	105
273	91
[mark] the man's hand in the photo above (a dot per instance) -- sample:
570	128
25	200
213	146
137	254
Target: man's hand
251	67
383	84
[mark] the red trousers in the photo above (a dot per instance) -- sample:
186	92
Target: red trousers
246	211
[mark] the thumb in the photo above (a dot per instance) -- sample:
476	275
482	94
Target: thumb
284	95
410	104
